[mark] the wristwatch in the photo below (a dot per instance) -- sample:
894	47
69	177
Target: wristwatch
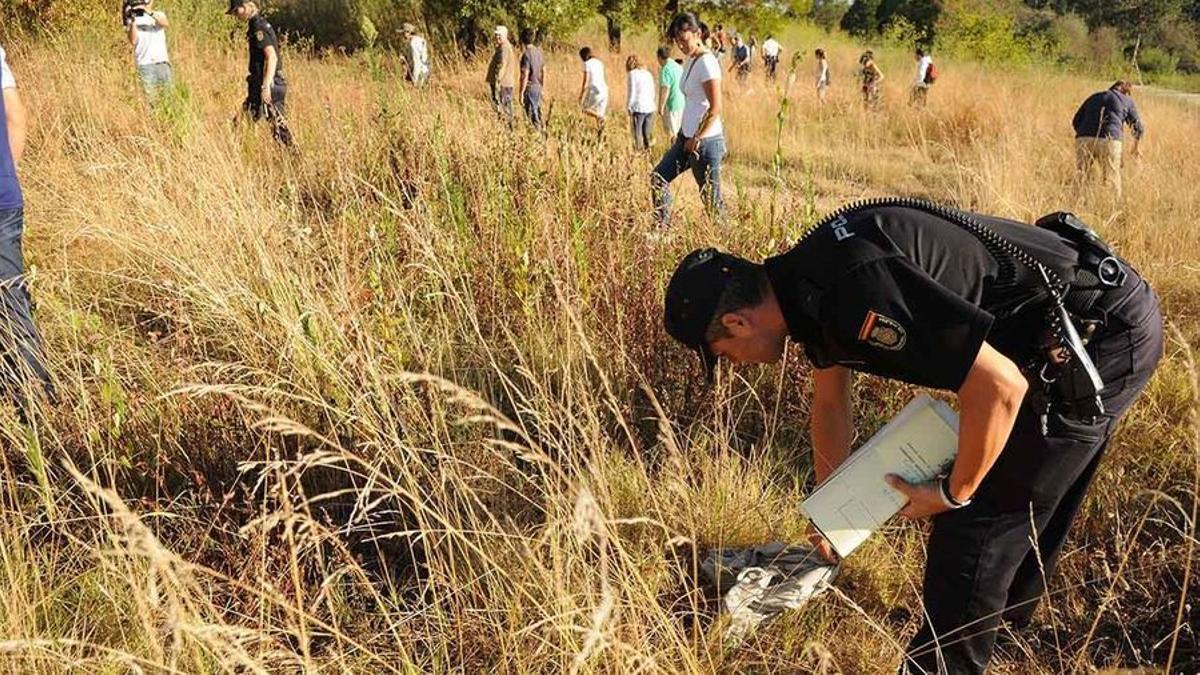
948	497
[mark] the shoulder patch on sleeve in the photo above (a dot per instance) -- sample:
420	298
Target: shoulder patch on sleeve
882	332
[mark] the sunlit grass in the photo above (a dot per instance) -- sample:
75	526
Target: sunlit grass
400	401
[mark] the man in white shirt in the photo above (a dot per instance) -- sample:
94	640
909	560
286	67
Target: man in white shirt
920	88
770	50
147	31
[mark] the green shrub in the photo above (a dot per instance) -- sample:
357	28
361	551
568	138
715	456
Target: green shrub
1104	49
991	38
1155	61
348	24
1070	39
902	34
828	13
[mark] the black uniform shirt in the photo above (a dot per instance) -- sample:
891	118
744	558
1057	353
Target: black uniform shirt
260	35
906	294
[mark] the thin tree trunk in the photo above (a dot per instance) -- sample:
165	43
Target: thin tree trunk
1137	69
614	34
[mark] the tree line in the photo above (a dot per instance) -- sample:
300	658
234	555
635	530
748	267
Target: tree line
1159	36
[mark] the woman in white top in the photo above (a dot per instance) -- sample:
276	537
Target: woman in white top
593	94
700	145
641	102
822	75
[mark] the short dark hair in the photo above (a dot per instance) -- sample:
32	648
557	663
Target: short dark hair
585	53
527	36
746	287
920	51
1123	86
820	53
663	53
683	21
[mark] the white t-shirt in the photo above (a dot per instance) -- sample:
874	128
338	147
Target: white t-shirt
7	81
594	68
151	46
695	102
771	48
420	53
641	94
922	68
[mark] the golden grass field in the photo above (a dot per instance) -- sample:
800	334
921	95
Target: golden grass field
402	402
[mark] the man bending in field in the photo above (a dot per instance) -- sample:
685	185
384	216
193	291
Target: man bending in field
1099	128
966	303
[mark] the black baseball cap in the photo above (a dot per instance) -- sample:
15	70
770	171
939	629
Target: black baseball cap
692	296
234	4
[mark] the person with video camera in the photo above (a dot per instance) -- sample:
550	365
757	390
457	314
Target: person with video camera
266	89
147	31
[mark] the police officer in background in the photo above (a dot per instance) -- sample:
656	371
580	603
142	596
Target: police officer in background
994	310
266	93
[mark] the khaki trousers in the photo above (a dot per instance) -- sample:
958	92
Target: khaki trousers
1107	153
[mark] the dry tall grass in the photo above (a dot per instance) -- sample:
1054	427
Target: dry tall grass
401	401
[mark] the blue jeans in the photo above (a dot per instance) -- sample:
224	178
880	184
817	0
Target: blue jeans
23	361
155	76
532	103
640	123
706	169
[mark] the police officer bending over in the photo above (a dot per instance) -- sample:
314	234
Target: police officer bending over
992	309
266	94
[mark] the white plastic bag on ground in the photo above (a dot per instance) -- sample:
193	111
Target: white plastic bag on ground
759	583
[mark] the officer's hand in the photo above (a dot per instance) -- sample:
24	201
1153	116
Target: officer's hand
266	95
924	500
821	544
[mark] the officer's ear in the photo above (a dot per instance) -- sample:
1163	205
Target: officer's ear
736	324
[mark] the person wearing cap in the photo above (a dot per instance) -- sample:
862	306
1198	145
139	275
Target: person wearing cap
939	298
266	88
147	32
501	75
24	363
416	56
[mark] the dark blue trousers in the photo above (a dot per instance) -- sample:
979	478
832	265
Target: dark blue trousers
982	568
24	363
